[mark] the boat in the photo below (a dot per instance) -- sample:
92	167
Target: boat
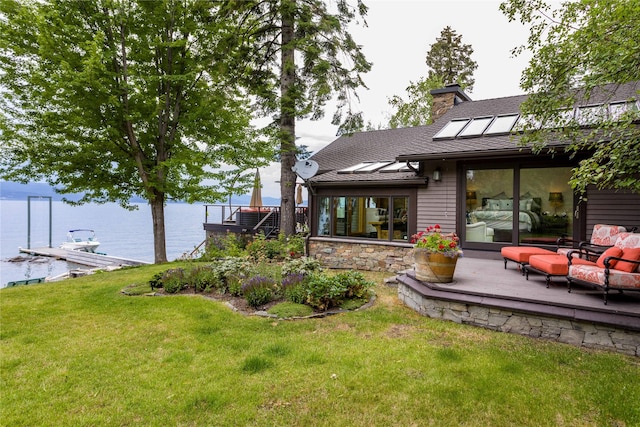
81	239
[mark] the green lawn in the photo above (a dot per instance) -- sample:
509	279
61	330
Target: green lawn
80	353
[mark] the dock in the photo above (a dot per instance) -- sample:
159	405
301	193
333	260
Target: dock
95	260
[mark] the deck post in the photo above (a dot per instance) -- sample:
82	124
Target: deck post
29	218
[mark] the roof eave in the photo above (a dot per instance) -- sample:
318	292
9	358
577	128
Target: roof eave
375	183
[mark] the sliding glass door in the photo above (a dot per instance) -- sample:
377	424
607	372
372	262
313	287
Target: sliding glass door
517	204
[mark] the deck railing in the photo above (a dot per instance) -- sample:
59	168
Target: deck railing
259	218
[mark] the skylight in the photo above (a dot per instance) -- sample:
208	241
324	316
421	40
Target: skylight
501	124
399	167
451	129
618	109
476	127
591	114
350	169
526	122
504	124
364	167
372	167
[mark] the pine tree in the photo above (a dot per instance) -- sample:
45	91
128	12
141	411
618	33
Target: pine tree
450	60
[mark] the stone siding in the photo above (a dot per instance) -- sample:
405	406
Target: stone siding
581	334
374	256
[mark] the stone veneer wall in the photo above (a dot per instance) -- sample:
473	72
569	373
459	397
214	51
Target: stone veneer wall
358	255
561	330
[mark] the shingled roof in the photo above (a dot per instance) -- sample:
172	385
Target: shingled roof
417	143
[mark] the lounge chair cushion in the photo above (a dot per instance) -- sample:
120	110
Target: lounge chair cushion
521	254
602	236
555	265
632	254
606	235
616	252
594	274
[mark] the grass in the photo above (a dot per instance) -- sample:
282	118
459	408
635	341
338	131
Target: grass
289	309
80	352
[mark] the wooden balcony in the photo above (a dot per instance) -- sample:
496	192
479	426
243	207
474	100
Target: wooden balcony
247	219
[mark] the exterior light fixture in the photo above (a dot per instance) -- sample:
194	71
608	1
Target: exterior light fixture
437	175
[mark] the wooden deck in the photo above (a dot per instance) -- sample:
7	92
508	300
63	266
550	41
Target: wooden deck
89	259
486	294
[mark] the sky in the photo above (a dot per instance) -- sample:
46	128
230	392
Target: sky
397	39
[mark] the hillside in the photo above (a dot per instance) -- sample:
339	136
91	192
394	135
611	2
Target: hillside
18	191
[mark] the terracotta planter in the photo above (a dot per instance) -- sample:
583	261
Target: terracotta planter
433	267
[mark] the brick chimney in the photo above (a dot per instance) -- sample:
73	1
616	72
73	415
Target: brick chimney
445	98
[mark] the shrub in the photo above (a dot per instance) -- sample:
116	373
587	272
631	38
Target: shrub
304	265
262	248
230	270
294	245
354	283
156	281
173	280
293	288
324	292
234	287
205	278
258	291
231	244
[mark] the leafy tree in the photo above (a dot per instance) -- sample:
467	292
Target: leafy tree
301	56
417	110
122	98
579	48
450	60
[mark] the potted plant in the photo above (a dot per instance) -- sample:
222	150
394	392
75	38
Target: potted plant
435	254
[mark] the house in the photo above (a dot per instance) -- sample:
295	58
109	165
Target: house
466	172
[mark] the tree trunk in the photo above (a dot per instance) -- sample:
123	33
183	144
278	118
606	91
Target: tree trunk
159	241
287	124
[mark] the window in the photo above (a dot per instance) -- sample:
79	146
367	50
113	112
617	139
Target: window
451	129
538	213
400	167
367	217
618	109
324	217
591	115
353	168
365	167
501	124
476	127
371	168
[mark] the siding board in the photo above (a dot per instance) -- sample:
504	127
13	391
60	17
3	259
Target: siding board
437	202
612	207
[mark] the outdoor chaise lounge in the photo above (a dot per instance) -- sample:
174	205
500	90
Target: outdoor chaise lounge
603	237
617	268
551	263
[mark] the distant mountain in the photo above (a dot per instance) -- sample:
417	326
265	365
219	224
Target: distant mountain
16	191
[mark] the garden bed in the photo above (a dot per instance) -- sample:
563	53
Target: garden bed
290	289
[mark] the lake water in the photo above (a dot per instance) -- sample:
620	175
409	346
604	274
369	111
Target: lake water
121	233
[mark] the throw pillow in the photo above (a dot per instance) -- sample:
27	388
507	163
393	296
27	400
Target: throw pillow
493	205
506	204
630	254
609	252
